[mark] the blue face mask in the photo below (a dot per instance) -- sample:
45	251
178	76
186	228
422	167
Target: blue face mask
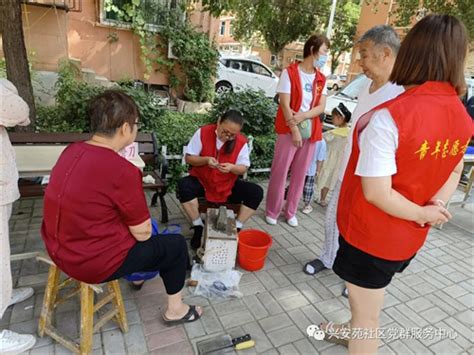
321	62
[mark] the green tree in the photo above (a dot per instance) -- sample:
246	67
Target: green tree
408	11
344	30
277	22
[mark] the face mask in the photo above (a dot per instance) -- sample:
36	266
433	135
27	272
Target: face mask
321	62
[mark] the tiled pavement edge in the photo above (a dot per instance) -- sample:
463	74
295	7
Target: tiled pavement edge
279	302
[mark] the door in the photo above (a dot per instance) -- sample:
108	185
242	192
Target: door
264	79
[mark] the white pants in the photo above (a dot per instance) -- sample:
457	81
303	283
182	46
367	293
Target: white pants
331	238
5	272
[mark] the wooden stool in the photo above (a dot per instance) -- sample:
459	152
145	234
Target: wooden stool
88	308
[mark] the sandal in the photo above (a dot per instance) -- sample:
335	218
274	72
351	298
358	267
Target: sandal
189	317
322	203
317	266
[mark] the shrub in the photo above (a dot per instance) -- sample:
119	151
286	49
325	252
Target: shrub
258	110
262	152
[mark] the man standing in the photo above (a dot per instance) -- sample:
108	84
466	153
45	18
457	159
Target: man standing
378	48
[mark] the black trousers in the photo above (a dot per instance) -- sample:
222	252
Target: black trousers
247	193
167	254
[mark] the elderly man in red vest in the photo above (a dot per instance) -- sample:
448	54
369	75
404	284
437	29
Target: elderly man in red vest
218	155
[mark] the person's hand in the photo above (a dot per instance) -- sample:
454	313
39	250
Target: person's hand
212	162
434	214
291	122
296	138
225	167
299	117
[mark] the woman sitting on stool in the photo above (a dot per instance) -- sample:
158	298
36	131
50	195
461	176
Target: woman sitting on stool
218	155
96	224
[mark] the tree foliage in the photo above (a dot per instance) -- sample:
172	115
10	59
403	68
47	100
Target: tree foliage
344	29
277	22
408	11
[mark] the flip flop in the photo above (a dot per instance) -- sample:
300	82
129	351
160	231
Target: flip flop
317	266
189	317
322	203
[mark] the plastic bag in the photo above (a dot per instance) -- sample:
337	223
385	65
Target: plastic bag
224	284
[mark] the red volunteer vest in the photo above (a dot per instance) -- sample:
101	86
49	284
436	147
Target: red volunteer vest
296	98
218	186
434	131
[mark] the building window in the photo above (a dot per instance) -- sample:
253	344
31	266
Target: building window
273	59
231	28
155	12
222	29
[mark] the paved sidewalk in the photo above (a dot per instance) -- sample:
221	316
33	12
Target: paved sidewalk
279	302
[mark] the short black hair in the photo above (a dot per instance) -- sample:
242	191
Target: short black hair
110	110
233	116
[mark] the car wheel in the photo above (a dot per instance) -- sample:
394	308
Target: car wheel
223	87
335	87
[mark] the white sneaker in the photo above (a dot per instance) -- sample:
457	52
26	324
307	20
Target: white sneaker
270	220
21	294
293	221
14	343
307	209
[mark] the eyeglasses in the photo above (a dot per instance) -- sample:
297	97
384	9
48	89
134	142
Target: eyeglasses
138	124
228	134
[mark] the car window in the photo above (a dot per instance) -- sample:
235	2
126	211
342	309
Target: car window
246	66
234	64
223	62
260	70
352	90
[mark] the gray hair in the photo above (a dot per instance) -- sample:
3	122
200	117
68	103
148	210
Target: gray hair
382	35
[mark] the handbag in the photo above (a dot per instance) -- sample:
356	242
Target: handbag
305	128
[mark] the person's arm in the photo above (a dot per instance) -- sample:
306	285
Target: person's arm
232	168
376	165
378	191
447	190
319	166
314	112
14	111
141	231
131	203
195	160
241	165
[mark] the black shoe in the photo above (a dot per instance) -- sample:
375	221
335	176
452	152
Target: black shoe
316	266
196	239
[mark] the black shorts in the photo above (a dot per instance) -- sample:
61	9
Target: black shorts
364	270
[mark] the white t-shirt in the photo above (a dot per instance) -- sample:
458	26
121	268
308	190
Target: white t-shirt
367	101
378	143
307	80
194	147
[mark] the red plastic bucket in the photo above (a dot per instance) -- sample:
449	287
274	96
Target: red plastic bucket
253	249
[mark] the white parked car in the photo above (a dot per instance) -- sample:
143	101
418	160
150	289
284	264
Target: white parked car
348	96
238	73
335	82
